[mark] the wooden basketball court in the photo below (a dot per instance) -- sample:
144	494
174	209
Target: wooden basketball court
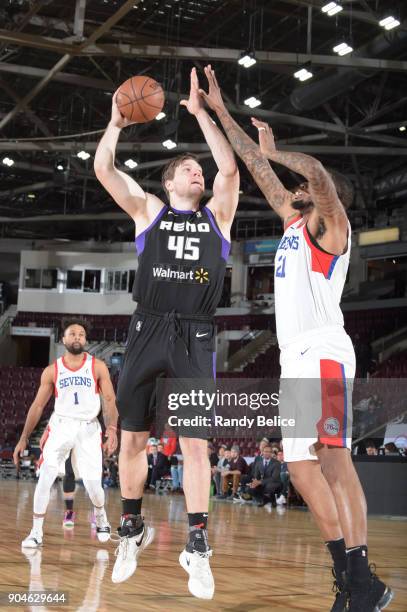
261	560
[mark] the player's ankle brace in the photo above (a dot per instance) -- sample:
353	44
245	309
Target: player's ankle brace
338	553
131	506
197	520
357	568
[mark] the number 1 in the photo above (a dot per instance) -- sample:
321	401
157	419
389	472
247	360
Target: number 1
76	398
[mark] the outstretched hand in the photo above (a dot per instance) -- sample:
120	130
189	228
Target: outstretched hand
194	104
214	97
117	118
266	137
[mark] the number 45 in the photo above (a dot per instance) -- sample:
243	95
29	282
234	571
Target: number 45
184	248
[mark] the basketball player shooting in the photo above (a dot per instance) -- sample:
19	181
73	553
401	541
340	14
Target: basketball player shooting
310	271
182	250
78	380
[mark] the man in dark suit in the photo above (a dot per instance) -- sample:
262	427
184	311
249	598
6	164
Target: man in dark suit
266	480
158	465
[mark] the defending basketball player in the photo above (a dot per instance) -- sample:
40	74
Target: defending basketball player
310	271
182	250
78	381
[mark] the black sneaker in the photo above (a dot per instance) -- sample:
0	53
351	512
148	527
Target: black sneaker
341	596
370	596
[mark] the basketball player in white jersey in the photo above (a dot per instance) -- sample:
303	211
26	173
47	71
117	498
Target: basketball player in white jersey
310	271
78	380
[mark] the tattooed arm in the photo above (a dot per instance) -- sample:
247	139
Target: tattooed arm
249	152
329	211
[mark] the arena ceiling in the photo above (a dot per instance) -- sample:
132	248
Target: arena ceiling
60	62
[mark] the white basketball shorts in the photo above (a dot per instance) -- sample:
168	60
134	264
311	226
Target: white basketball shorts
317	372
84	438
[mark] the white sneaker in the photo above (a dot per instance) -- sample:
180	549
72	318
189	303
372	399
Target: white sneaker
281	501
103	528
127	554
33	540
196	564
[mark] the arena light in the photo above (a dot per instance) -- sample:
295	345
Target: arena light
7	161
31	196
130	163
160	116
342	49
388	234
252	102
83	155
402	128
332	8
247	60
388	23
303	74
169	144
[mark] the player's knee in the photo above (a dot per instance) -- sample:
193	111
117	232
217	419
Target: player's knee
298	475
95	491
194	449
132	443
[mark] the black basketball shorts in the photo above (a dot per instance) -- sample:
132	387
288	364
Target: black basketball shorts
167	345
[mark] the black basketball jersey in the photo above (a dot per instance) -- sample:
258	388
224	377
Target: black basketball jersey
182	261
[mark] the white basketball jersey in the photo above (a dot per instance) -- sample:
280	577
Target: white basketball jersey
308	283
76	391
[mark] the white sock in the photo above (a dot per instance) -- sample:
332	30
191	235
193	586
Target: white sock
99	512
37	524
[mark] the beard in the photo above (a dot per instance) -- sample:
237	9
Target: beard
302	206
74	349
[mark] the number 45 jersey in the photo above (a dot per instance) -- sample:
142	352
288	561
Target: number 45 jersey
308	284
76	391
182	261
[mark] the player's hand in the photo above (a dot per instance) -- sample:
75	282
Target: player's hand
117	119
19	449
194	104
111	443
214	97
266	137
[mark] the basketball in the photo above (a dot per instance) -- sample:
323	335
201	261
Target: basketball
140	99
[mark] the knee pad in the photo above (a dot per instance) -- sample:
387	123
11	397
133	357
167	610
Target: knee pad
95	492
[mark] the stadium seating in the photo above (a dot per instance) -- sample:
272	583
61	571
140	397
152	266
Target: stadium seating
18	387
394	367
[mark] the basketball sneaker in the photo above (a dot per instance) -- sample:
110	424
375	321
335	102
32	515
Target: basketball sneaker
281	501
369	596
341	596
33	540
194	559
133	537
69	519
103	528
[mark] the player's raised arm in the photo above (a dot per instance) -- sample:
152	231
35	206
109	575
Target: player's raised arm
249	152
320	185
36	409
110	414
126	192
226	185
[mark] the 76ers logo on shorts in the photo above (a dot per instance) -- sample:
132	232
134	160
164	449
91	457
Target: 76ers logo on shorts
331	426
